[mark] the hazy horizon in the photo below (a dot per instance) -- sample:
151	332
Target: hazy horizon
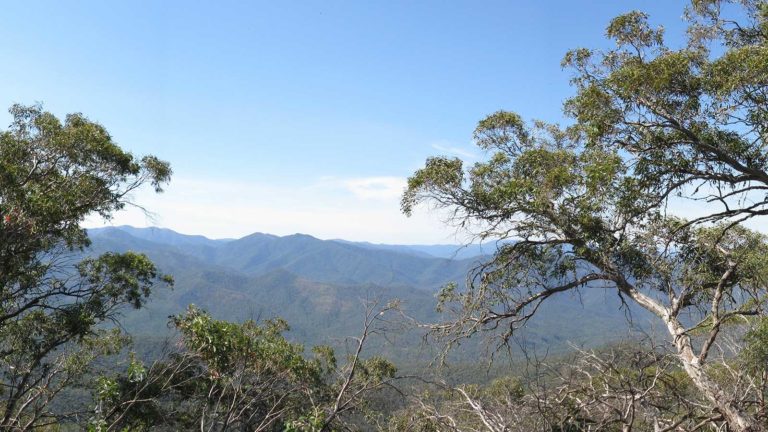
286	117
193	234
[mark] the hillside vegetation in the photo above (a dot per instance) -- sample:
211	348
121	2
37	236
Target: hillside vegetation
321	287
128	329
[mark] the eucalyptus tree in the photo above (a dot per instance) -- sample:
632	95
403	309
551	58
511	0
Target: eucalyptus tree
53	301
586	204
225	376
624	387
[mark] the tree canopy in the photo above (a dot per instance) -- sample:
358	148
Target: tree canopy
586	204
54	300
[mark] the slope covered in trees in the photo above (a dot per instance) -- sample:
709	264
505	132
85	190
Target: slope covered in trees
580	212
323	312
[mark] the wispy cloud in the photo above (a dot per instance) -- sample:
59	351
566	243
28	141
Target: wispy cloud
454	150
353	208
376	187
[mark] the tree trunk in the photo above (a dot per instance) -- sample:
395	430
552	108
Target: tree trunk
738	421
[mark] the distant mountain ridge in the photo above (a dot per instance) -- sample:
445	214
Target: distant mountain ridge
328	261
320	286
168	236
436	251
159	235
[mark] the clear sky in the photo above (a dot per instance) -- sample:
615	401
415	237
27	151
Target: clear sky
298	116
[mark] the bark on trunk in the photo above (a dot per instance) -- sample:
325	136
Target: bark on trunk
738	421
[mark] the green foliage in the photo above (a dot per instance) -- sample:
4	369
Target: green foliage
248	366
53	309
230	376
509	388
755	355
227	347
310	422
585	206
227	375
439	173
376	369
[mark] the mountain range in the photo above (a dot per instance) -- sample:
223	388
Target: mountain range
320	287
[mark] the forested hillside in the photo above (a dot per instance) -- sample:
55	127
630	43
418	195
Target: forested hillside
321	287
600	306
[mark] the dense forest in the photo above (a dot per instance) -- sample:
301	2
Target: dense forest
119	330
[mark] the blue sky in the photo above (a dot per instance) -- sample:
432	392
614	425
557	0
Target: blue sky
290	116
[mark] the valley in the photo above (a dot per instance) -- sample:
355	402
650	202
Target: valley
320	287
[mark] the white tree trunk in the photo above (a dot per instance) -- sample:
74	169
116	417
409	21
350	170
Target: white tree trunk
738	421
